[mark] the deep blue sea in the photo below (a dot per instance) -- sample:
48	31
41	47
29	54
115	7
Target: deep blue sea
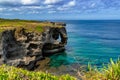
93	41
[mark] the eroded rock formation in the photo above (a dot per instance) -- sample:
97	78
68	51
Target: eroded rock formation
22	48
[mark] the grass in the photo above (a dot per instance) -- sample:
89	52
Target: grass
109	72
30	25
12	73
39	28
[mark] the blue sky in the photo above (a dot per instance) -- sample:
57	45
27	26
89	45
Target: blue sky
60	9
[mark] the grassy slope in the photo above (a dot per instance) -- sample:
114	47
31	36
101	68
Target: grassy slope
109	72
12	73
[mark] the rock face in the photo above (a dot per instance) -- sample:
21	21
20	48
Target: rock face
24	49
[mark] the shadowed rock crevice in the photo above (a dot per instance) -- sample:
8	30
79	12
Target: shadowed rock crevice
22	48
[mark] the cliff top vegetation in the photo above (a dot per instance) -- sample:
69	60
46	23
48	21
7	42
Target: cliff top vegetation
12	73
31	25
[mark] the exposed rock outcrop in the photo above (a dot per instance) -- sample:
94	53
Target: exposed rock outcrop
22	48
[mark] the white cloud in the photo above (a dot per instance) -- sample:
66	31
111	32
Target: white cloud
70	4
67	5
37	7
2	9
1	1
93	5
14	9
51	1
10	1
33	12
32	7
51	12
49	6
25	2
28	1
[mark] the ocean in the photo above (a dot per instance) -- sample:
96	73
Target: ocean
90	41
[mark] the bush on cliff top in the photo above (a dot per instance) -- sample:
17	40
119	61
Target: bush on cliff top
12	73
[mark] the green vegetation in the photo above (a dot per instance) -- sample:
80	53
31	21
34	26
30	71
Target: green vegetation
12	73
30	25
39	28
111	72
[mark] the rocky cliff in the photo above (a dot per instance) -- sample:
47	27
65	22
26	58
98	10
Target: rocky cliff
23	48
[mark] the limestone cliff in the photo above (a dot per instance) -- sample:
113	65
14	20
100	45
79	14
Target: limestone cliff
23	48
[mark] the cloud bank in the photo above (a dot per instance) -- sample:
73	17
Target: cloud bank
58	6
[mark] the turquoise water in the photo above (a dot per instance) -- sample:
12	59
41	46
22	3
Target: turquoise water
90	41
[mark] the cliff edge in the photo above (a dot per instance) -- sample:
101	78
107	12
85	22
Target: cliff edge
26	44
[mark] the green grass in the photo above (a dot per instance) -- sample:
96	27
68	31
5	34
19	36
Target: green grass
109	72
39	28
30	25
12	73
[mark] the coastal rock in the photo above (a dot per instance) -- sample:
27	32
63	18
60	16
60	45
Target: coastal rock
22	48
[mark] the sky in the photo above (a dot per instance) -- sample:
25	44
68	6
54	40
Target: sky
60	9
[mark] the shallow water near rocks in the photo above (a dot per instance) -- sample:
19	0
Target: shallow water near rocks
93	41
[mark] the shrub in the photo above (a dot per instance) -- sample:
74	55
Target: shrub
109	72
